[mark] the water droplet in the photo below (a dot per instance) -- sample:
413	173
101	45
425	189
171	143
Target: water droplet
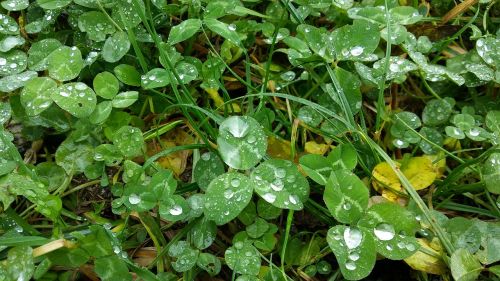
228	194
350	265
205	156
251	139
231	27
353	256
280	173
269	197
388	247
356	51
277	185
352	237
248	254
134	199
384	231
290	178
238	245
293	199
235	182
116	249
80	86
346	206
3	61
176	210
474	132
410	247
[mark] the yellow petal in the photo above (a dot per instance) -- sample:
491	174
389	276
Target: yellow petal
313	147
424	262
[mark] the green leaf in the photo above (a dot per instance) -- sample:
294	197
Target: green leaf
12	62
115	47
8	25
16	81
350	87
354	250
491	173
241	142
346	196
106	85
401	131
126	14
15	5
257	229
226	196
224	30
51	175
280	183
344	156
96	24
19	264
404	15
111	268
187	72
173	208
437	112
203	234
488	49
129	141
108	153
74	157
185	256
183	31
39	51
317	167
125	99
36	95
155	78
101	112
393	240
65	63
76	98
310	116
128	75
210	263
53	4
464	266
433	136
8	43
243	258
492	120
207	168
356	41
267	211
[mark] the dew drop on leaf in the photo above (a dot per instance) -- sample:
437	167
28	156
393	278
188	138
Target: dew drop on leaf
352	237
384	231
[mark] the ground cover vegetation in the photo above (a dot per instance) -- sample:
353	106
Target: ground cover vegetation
249	140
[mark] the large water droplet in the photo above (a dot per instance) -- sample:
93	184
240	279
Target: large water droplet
293	199
277	185
384	231
134	199
205	156
350	265
356	51
280	173
353	256
352	237
235	182
269	197
228	194
176	210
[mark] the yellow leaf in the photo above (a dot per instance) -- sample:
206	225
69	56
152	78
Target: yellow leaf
425	262
313	147
278	148
385	177
218	101
420	172
176	161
